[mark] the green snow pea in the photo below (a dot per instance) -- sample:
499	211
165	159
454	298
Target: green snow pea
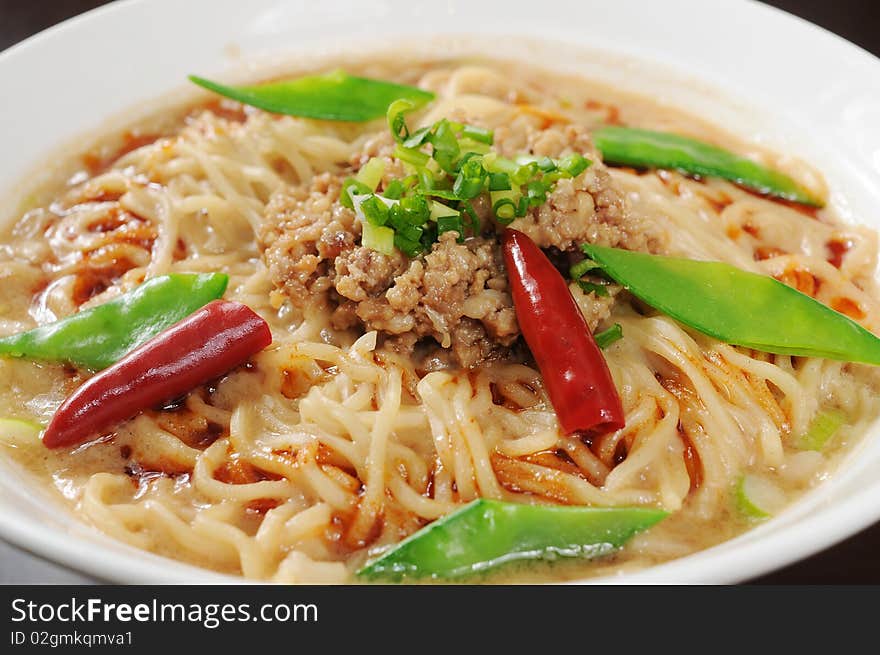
485	534
97	337
628	146
738	307
334	96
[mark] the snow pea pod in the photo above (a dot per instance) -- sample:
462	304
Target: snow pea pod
738	307
485	534
626	146
334	96
97	337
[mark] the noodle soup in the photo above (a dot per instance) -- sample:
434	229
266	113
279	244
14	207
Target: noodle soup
402	383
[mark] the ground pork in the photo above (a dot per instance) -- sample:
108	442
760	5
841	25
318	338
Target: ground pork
457	293
305	231
588	208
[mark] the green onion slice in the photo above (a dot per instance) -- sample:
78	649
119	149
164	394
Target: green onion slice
504	210
592	287
379	238
609	336
371	173
822	429
375	211
582	268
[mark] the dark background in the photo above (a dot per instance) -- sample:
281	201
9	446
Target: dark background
856	560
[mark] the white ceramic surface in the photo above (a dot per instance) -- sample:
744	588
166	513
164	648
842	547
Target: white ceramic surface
763	73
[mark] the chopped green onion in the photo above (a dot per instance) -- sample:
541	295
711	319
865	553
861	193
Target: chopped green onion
414	209
394	190
438	210
411	156
417	138
429	235
450	224
823	427
352	186
371	173
375	211
504	210
446	148
404	221
552	178
537	192
445	194
436	170
465	158
469	145
592	287
410	232
409	247
397	120
499	182
470	180
477	134
467	187
426	179
378	238
458	167
606	337
497	164
757	497
474	222
546	165
19	433
524	173
582	268
513	195
574	164
398	220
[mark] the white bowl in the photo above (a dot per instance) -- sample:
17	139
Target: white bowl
753	69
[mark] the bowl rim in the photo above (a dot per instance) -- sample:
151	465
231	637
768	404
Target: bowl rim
750	555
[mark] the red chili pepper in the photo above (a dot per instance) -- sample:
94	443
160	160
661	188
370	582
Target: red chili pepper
577	377
208	343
